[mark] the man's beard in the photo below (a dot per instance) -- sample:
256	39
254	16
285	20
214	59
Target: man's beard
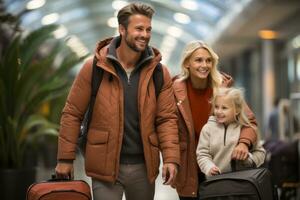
133	46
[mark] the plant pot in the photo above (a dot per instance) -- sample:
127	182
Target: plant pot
15	182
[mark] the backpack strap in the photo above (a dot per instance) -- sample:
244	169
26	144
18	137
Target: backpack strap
97	75
158	78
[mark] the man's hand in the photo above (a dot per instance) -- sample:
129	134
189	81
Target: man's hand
169	172
240	152
64	170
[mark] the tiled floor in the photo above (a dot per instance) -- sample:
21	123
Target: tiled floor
162	192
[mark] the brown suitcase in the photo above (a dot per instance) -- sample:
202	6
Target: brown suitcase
59	189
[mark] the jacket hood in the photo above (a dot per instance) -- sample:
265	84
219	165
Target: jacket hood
100	45
102	50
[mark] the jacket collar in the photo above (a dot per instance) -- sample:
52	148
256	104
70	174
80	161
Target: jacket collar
213	121
146	55
182	102
105	52
180	90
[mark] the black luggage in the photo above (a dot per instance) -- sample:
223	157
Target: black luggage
283	161
252	184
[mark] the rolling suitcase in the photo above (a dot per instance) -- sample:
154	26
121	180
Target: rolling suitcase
283	161
59	189
251	184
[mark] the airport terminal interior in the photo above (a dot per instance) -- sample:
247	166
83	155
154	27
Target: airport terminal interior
257	41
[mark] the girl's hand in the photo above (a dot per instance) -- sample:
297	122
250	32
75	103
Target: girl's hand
214	171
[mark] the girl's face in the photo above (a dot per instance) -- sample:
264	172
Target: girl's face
200	63
224	110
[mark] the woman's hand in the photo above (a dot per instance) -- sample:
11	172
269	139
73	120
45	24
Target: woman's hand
169	173
240	152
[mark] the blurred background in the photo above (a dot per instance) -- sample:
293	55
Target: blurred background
44	42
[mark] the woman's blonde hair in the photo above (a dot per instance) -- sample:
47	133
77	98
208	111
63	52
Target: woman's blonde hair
236	96
215	77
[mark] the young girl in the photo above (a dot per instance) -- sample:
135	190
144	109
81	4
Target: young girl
220	134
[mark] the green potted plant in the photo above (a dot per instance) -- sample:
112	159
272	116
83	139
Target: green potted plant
27	80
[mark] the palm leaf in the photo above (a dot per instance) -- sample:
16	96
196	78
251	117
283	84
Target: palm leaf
26	81
32	43
42	127
33	78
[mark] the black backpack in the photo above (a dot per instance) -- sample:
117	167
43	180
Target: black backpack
97	75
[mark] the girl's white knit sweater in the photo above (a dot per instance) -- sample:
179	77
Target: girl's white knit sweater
216	144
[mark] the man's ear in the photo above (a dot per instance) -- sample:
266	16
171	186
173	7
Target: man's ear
122	29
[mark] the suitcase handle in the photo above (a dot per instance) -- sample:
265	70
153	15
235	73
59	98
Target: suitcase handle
54	178
233	164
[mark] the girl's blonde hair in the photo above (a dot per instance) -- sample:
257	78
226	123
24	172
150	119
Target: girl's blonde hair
215	77
236	96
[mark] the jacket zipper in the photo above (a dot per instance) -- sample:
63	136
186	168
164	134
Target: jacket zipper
225	132
128	79
128	75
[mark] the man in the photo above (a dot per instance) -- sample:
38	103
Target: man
129	123
273	122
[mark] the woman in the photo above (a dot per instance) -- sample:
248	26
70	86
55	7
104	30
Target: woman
193	90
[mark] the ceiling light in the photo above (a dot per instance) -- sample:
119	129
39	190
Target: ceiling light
118	4
296	42
34	4
77	46
112	22
268	34
50	19
182	18
189	4
60	32
116	13
174	31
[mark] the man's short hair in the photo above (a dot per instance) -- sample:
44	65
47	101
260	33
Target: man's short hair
133	9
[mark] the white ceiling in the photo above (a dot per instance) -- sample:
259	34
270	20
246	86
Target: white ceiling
229	25
277	15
